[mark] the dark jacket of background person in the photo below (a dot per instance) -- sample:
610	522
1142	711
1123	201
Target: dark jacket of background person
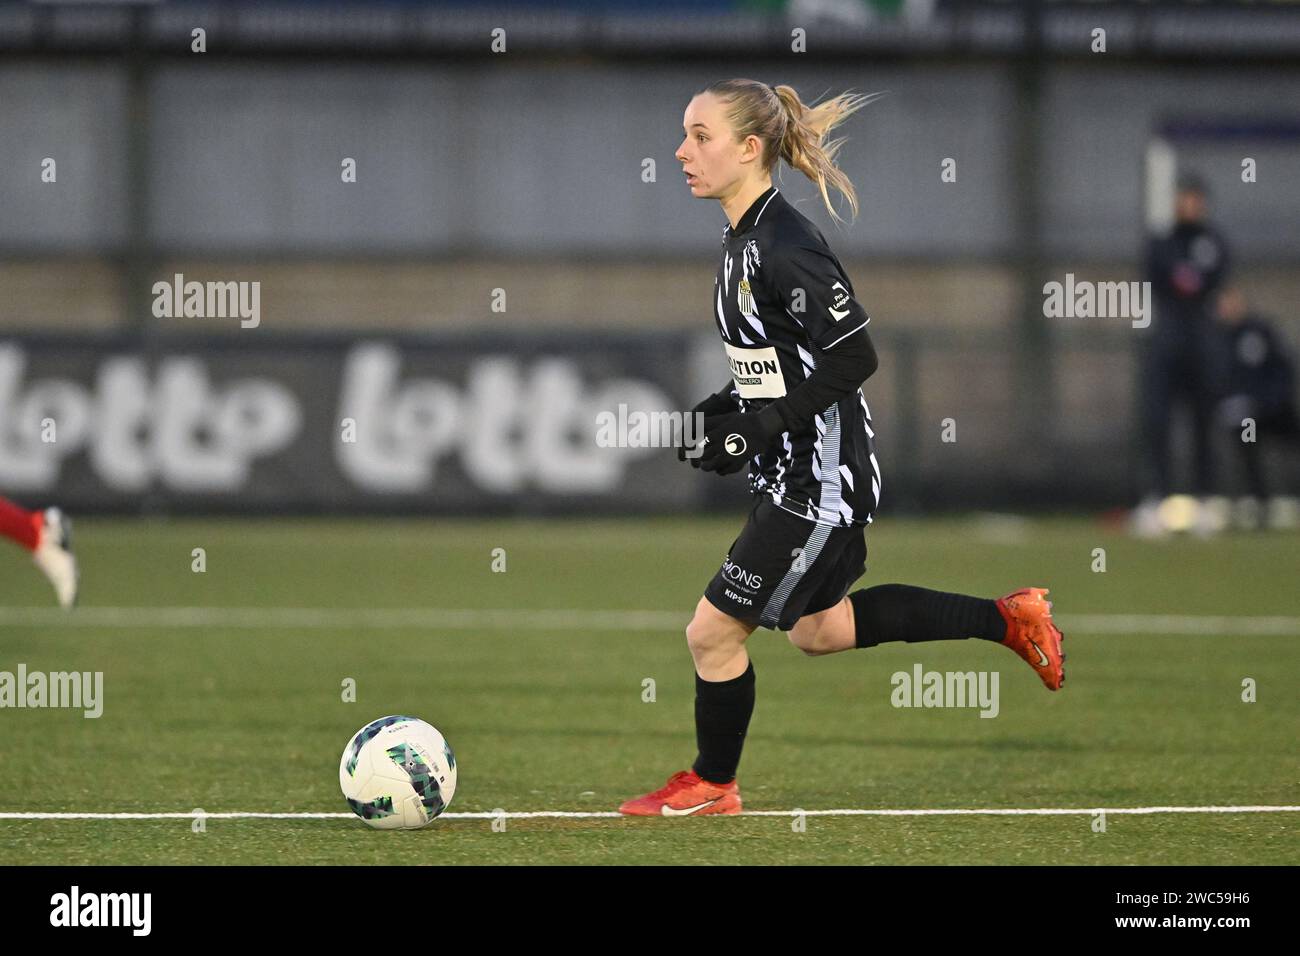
1259	367
1185	269
1183	353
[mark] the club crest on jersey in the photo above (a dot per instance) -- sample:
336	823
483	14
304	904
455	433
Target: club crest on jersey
745	298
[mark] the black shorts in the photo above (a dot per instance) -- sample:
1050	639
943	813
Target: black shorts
782	567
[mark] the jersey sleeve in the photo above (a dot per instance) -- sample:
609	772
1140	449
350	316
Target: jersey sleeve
813	288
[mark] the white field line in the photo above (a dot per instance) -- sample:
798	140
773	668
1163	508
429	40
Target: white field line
516	619
533	814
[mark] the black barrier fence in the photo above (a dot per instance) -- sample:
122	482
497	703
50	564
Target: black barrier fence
527	424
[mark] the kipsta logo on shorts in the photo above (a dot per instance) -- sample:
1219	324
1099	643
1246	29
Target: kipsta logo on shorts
735	444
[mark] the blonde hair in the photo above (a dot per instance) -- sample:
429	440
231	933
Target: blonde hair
793	130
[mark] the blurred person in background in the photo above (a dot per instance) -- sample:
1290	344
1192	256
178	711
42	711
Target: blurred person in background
1181	363
48	536
1259	386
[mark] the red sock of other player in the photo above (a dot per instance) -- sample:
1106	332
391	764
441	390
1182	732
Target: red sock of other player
19	524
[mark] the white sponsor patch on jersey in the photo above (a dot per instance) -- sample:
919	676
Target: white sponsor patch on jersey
757	372
838	311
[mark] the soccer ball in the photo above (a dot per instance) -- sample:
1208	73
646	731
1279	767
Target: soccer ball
397	773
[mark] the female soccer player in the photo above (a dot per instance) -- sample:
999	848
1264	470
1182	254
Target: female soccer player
798	348
48	536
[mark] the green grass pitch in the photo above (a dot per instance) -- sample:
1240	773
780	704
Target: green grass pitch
252	719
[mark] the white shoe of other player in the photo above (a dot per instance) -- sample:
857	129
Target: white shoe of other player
1213	516
1283	513
1247	513
1145	520
54	556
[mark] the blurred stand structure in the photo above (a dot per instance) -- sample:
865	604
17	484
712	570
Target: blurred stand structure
518	252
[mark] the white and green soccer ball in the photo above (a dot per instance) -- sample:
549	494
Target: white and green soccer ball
397	773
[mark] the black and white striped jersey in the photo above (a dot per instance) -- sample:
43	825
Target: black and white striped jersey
781	299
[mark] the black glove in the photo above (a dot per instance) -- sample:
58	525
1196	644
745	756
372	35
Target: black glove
720	403
730	441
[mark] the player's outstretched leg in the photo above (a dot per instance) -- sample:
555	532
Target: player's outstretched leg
48	536
724	702
1022	621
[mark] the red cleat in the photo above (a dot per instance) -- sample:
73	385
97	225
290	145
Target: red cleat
686	795
1032	635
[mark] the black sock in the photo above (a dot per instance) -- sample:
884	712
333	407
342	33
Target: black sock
900	612
722	712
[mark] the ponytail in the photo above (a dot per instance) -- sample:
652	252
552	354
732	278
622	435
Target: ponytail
794	131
